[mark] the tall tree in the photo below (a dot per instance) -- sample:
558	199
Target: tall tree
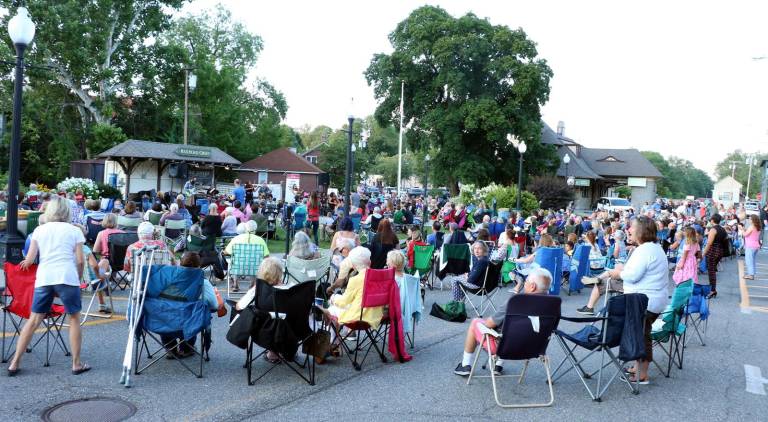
226	111
467	84
95	49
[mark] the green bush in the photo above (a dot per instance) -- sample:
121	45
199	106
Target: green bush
506	197
553	192
108	191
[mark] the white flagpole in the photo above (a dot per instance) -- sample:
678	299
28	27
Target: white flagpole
400	144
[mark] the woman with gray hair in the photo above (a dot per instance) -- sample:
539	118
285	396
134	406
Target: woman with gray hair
303	248
59	245
146	233
346	307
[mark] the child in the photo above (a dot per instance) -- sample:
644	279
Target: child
687	265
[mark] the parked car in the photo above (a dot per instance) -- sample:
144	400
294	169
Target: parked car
752	208
372	189
613	204
415	192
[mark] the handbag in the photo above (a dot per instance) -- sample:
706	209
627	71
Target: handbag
276	335
318	344
241	326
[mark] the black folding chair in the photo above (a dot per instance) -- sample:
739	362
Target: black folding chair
292	306
93	228
528	326
118	246
486	291
601	341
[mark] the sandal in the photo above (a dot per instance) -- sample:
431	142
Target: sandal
272	360
643	381
712	295
83	368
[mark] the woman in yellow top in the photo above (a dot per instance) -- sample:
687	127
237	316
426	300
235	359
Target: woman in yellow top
346	307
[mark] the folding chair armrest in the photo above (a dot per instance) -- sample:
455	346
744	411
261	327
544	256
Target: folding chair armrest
485	330
582	319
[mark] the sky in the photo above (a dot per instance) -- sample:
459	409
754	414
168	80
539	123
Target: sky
674	77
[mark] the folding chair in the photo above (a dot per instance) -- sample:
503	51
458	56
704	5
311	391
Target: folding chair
202	206
97	286
670	328
552	260
118	246
17	307
601	341
376	289
423	259
174	231
93	227
454	260
246	259
411	304
581	258
173	303
33	220
292	305
299	270
154	218
201	244
486	292
128	223
528	326
697	313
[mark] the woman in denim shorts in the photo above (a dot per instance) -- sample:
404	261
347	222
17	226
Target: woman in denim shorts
60	246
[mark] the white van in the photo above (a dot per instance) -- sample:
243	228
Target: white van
612	204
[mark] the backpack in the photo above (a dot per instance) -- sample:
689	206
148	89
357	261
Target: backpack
451	311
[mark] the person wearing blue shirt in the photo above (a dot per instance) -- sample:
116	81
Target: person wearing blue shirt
239	192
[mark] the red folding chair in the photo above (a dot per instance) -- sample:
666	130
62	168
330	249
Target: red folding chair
376	290
20	286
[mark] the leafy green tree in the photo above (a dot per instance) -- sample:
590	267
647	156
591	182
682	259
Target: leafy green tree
740	169
467	84
681	177
95	48
552	191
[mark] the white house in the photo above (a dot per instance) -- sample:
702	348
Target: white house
727	191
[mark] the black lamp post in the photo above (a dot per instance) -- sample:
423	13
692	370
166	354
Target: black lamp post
425	205
22	31
566	160
348	176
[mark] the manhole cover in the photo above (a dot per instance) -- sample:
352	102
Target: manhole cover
96	409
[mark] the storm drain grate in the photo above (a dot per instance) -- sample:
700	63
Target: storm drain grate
96	409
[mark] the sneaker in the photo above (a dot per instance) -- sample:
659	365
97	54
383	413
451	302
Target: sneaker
463	370
586	310
587	281
498	369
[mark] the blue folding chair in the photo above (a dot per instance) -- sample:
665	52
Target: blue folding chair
552	260
581	260
202	205
356	219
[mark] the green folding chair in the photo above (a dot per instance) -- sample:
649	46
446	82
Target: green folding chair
33	220
669	328
180	226
200	244
127	223
154	218
423	260
246	259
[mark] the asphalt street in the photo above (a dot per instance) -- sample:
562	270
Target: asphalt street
712	385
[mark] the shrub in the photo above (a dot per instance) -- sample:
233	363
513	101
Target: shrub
553	192
506	197
72	184
109	191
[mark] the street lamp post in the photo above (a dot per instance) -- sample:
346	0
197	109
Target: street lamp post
521	147
566	160
22	31
190	83
348	175
426	189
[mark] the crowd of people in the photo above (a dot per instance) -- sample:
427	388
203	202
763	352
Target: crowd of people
629	251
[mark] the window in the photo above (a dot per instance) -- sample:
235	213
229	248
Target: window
312	159
262	177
